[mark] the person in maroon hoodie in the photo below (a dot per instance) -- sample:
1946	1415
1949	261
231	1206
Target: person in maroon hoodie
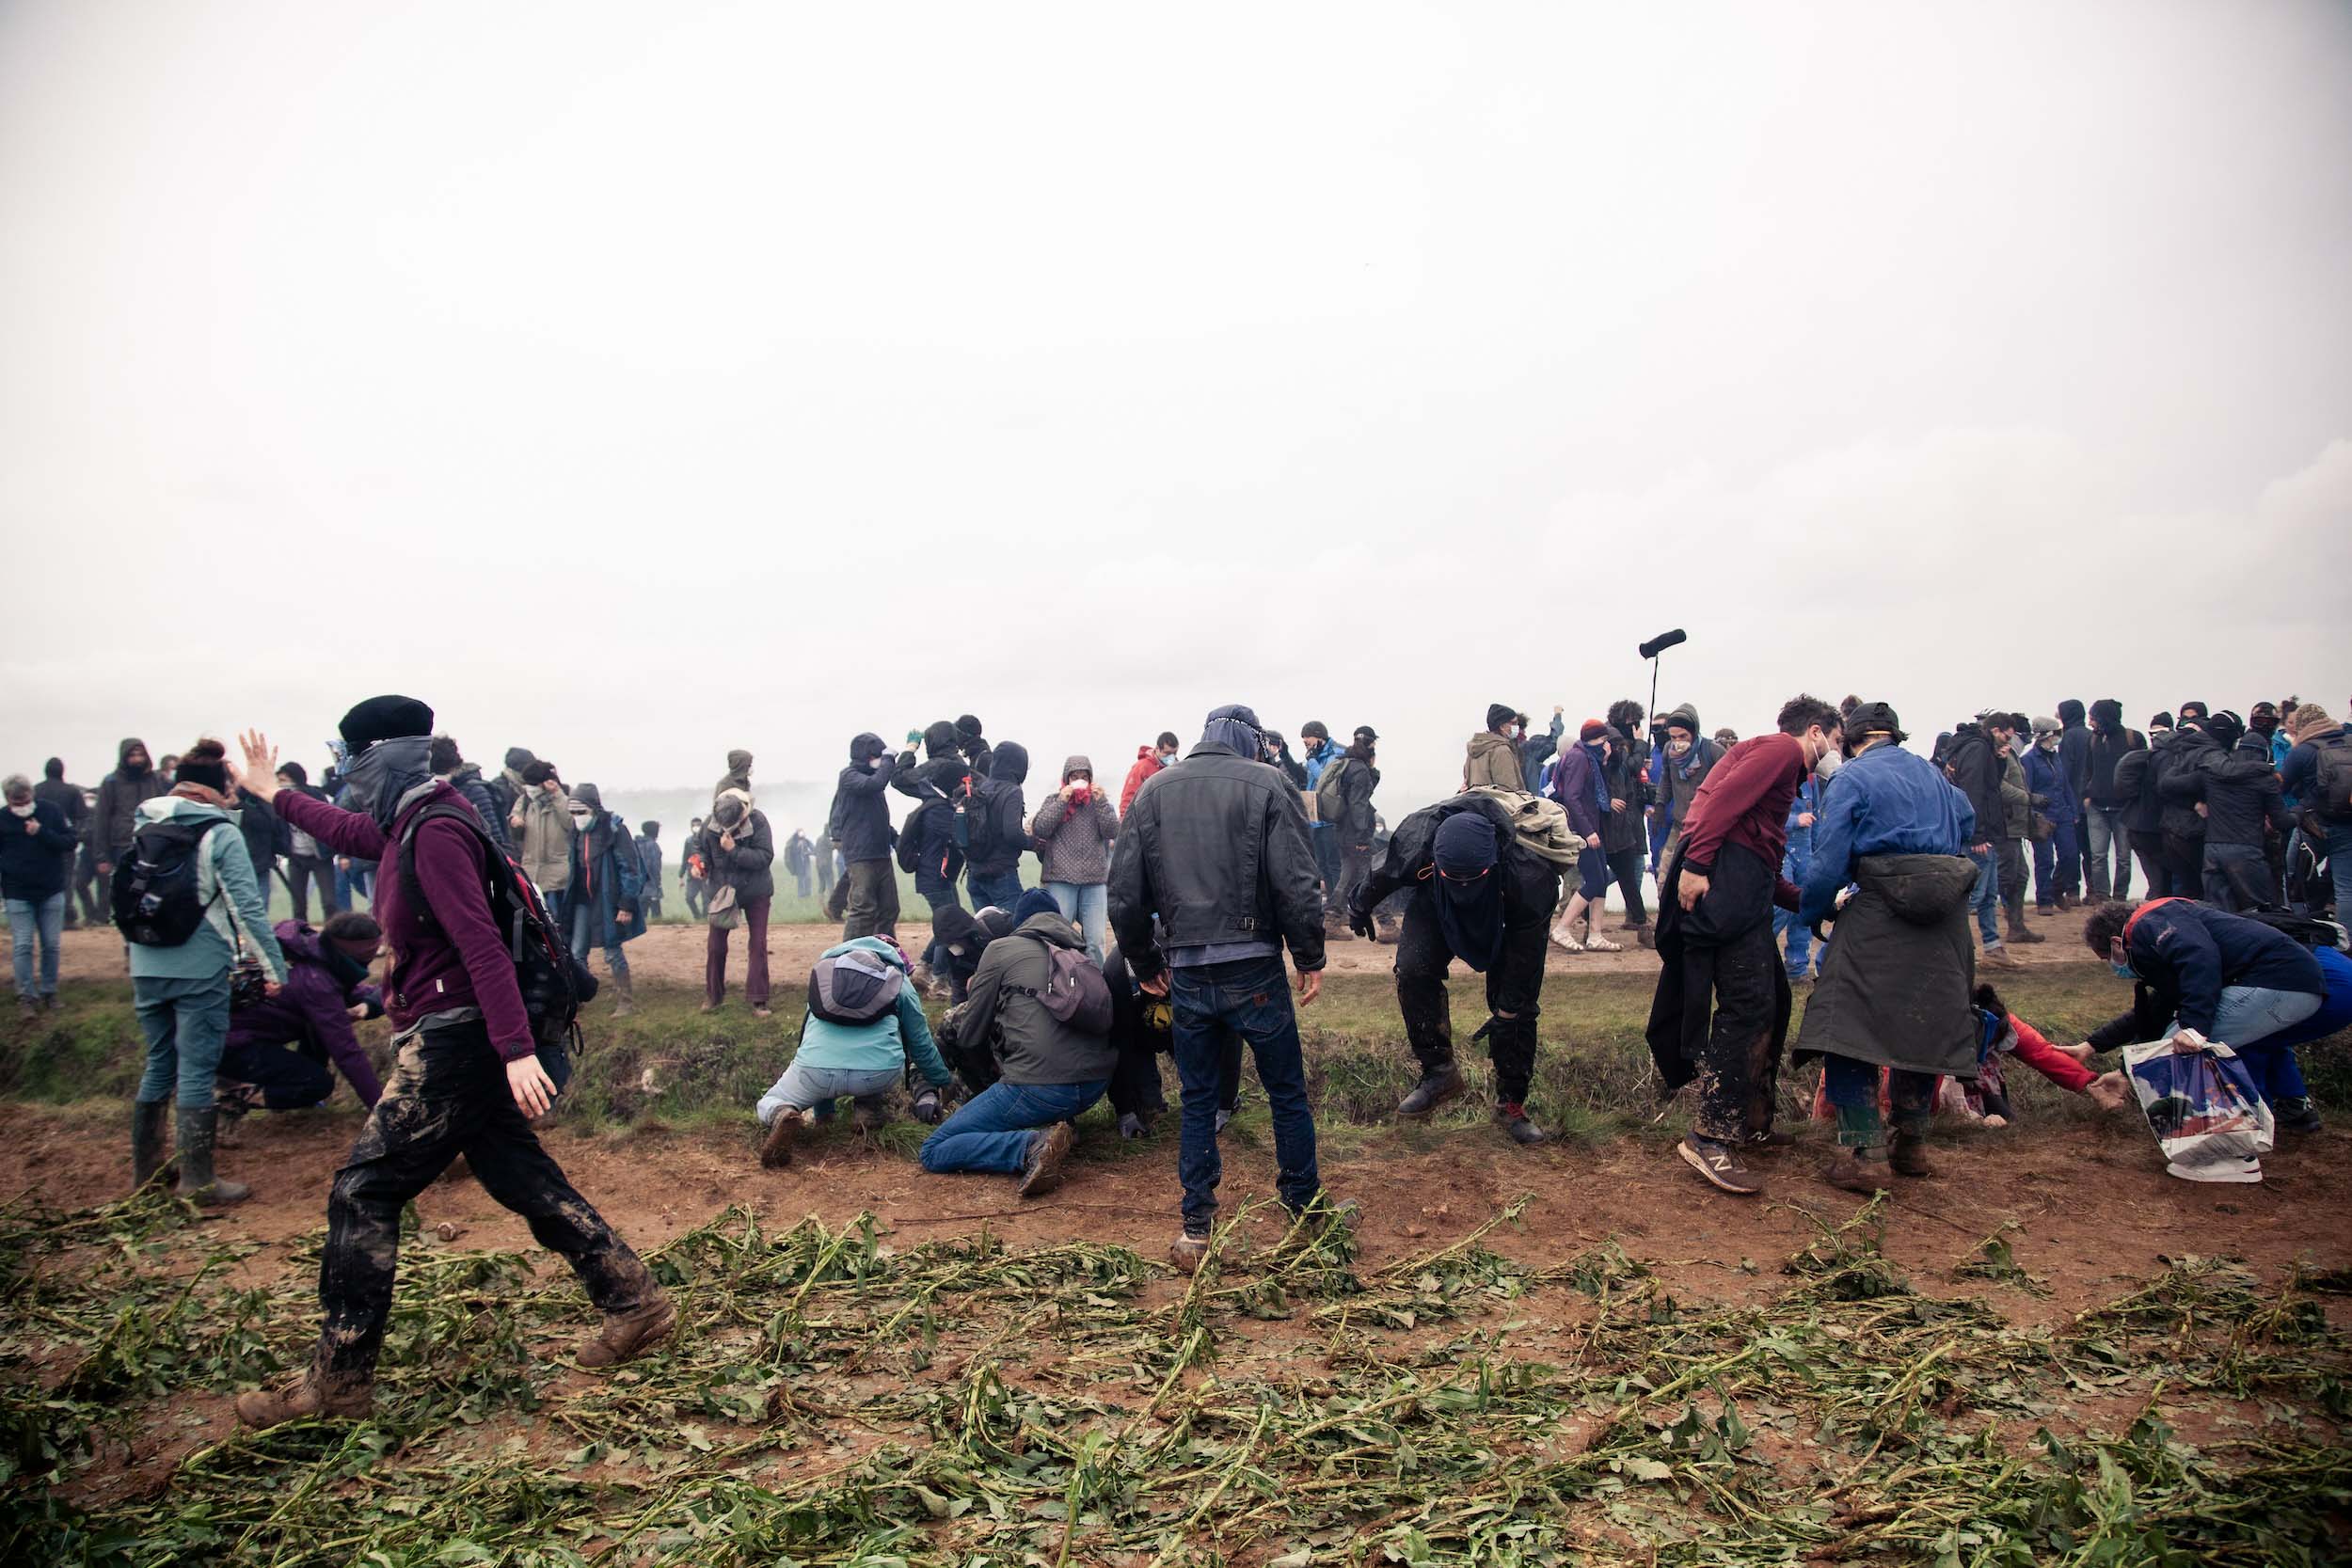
1721	1014
466	1080
325	989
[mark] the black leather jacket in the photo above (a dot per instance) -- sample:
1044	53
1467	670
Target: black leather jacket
1217	847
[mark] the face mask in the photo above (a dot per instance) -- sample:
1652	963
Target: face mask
580	819
1827	767
2264	726
2124	970
1677	748
1168	759
25	810
1510	732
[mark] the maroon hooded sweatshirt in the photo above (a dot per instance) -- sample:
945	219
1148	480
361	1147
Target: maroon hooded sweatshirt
449	956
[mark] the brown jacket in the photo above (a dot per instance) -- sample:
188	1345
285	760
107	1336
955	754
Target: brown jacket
1493	763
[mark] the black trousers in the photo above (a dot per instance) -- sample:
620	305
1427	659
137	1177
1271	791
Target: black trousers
447	1097
1626	866
287	1079
2156	870
2185	859
304	873
1514	985
1720	1017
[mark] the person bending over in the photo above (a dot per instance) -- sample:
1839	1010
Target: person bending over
863	1027
283	1045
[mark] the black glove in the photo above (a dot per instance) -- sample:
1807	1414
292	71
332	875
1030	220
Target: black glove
929	1108
1359	920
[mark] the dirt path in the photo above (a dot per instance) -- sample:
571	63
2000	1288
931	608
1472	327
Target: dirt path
675	952
2093	1206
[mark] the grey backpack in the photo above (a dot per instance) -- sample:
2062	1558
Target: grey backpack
853	988
1075	993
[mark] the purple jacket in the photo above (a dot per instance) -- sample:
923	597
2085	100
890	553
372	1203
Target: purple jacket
1576	785
446	955
310	1007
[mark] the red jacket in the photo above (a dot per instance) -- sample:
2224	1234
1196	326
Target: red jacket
1745	800
1147	764
2048	1059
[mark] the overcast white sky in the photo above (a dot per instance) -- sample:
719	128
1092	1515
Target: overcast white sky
632	382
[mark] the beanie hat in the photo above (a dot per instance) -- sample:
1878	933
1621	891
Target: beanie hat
967	726
1034	902
518	758
2161	722
388	718
1590	730
2048	726
1312	730
1500	714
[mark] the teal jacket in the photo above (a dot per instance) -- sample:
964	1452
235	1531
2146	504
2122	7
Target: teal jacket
889	1042
232	902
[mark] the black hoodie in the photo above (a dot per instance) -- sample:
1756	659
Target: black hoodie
2109	741
860	822
1000	789
2074	748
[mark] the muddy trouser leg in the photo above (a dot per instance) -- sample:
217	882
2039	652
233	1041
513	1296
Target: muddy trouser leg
1743	971
1134	1088
1851	1088
1912	1096
1764	1058
1422	957
513	1167
1515	988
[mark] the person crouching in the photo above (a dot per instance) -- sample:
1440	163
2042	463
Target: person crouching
864	1025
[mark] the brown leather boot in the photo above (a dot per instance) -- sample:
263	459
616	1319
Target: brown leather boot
1850	1173
776	1151
311	1395
2017	929
1908	1155
626	1336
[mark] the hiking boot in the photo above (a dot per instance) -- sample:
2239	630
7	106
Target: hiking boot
1512	1117
2066	901
1185	1254
1047	1150
2017	931
626	1336
198	1131
1719	1164
1319	1219
1997	956
308	1397
1647	937
147	1141
2296	1116
1849	1172
1908	1155
1437	1085
776	1150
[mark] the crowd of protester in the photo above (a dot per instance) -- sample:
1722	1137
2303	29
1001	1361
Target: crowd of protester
1178	919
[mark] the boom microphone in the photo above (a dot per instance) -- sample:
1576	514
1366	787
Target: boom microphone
1663	641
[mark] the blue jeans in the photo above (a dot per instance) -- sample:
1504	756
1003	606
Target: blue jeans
1086	905
1326	840
28	919
354	884
1000	888
994	1130
2057	865
2252	1014
1250	997
1986	900
2340	866
805	1087
186	1024
2111	840
1800	940
585	919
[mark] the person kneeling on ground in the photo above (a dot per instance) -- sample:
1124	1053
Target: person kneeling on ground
2235	980
467	1077
864	1025
282	1045
1895	985
1482	897
1049	1032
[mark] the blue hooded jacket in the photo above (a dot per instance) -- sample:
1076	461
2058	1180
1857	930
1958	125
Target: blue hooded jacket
1886	801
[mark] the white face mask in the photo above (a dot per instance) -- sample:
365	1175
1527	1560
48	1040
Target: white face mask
25	810
1827	767
1510	732
581	819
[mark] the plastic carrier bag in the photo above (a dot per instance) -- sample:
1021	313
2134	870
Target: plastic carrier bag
2201	1103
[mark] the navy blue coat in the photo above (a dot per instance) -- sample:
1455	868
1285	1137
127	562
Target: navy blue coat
2185	951
32	866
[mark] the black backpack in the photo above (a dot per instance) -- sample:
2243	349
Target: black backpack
155	902
975	821
554	985
2332	780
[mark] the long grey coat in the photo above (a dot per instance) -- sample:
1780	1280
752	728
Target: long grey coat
1894	988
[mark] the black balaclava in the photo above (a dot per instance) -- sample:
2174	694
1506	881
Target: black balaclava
1468	893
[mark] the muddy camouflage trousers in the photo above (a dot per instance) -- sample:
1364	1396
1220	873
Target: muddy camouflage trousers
448	1096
